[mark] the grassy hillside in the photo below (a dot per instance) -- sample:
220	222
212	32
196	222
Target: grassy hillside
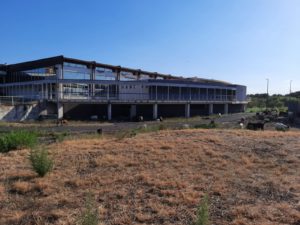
159	178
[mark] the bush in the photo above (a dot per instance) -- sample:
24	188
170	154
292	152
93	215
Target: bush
206	126
17	140
40	161
203	212
89	215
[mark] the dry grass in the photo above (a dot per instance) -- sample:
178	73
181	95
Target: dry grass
159	178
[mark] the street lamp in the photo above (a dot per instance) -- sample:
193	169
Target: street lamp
267	86
267	93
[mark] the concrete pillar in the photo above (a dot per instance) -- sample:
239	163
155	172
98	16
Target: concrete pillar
92	86
225	108
187	110
109	111
50	91
60	111
132	111
211	109
60	75
154	111
244	107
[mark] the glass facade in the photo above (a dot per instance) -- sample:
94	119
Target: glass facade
104	74
79	81
76	71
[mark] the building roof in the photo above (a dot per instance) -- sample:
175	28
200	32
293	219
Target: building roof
46	62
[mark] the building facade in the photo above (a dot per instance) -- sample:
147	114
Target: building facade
81	89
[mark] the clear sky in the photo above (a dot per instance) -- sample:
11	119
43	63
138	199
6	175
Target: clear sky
241	41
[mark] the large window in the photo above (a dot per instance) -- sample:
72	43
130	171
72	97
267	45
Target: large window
104	74
76	71
127	76
31	75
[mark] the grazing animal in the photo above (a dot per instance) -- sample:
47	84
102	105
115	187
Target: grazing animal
242	125
140	118
281	127
255	125
185	126
61	122
99	131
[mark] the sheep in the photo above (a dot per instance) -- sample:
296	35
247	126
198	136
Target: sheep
255	126
242	125
99	131
281	127
185	126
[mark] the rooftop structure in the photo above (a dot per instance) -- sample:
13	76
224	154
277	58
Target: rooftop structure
81	89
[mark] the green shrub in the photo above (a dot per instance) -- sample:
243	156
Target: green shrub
203	212
59	137
89	215
206	126
40	161
17	140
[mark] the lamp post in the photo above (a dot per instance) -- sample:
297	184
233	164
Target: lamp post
267	93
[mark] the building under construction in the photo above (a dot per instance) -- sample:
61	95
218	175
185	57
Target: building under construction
77	89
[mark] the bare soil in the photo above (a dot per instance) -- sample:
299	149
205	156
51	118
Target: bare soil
251	177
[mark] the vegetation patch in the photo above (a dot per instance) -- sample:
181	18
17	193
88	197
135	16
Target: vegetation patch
206	126
40	161
203	212
17	140
89	215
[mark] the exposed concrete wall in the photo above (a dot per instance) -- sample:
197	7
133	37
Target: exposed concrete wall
20	112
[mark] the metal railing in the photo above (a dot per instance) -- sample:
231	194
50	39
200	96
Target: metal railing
15	100
143	96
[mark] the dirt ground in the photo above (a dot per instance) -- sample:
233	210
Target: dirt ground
251	177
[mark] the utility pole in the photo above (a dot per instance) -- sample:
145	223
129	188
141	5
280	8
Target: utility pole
267	93
291	87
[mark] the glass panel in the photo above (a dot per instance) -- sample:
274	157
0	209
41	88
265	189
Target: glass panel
127	76
104	74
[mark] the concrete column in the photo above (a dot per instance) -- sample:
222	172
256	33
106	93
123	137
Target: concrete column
154	111
244	107
187	110
225	108
132	111
60	111
46	92
109	111
50	91
92	86
60	75
211	109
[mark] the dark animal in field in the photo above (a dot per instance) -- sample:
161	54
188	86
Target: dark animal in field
61	122
256	125
281	127
99	131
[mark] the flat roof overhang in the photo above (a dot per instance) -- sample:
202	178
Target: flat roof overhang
52	61
114	82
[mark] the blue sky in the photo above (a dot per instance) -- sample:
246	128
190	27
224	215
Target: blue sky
241	41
